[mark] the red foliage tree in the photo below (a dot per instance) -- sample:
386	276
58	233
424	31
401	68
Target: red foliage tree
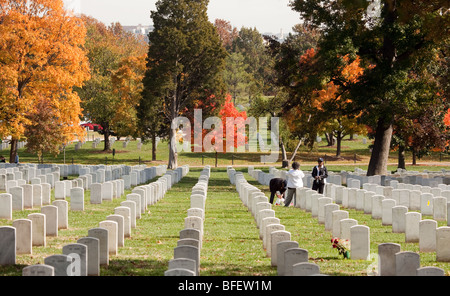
229	111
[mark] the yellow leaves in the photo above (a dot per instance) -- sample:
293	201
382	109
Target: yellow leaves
351	72
41	57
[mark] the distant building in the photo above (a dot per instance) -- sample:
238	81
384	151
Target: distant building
144	30
280	37
139	30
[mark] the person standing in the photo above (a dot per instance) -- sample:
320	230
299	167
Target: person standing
320	174
277	184
295	180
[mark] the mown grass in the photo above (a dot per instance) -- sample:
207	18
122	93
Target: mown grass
231	244
351	150
312	236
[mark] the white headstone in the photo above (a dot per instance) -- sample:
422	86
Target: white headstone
39	228
427	235
398	219
77	199
6	206
412	220
51	220
360	242
23	236
93	254
281	248
406	263
61	263
276	237
63	213
102	235
38	270
79	253
112	228
386	256
442	243
7	245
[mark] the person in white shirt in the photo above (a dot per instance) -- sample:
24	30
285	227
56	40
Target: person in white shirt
294	178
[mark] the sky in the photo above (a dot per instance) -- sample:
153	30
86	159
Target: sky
267	16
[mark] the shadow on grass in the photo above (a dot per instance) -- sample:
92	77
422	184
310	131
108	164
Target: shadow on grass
134	267
12	270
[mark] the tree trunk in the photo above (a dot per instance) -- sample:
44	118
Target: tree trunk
295	151
106	133
330	140
13	151
107	142
414	156
153	146
401	157
380	152
339	138
285	161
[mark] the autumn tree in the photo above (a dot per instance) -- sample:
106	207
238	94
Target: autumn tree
45	132
227	112
127	84
117	60
400	38
296	125
300	106
227	33
333	103
41	60
184	59
420	131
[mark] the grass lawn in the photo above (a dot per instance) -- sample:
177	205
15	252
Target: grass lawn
231	244
131	155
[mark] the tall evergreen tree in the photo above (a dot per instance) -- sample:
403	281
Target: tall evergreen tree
185	57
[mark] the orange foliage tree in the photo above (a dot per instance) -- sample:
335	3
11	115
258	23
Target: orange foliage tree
41	58
117	61
333	102
326	108
127	84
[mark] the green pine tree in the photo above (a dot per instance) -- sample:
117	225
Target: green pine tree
184	60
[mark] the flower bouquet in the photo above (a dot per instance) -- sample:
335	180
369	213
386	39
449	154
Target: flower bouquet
280	199
341	246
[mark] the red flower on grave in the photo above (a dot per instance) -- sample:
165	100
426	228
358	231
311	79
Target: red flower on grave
341	248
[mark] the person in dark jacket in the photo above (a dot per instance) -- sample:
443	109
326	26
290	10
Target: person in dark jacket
319	173
277	184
